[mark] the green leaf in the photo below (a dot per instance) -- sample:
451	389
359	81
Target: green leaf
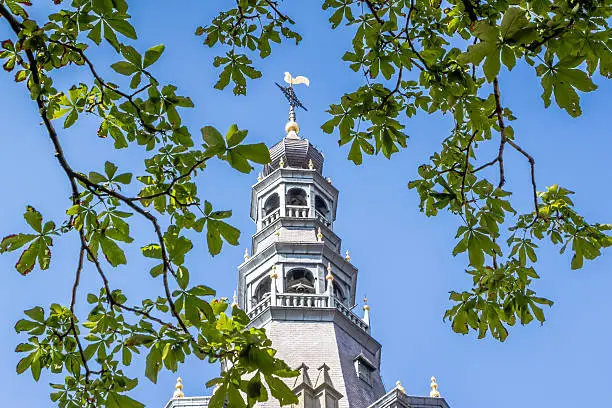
33	218
214	140
153	54
124	27
27	260
15	241
124	68
131	55
36	313
113	254
514	20
234	136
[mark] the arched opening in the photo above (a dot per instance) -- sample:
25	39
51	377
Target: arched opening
271	204
300	281
262	291
339	293
321	206
296	196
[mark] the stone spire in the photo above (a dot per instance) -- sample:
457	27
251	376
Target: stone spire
366	312
303	377
325	393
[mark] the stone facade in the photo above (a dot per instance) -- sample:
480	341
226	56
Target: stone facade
301	289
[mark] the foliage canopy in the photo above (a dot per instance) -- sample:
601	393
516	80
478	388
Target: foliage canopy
415	55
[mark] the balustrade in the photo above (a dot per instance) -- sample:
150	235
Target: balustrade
270	218
322	218
300	300
296	211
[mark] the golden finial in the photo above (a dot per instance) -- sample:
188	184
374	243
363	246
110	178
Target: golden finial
273	274
292	129
398	385
178	389
277	233
434	393
329	180
259	177
235	300
329	275
281	163
348	256
246	254
310	164
319	235
365	304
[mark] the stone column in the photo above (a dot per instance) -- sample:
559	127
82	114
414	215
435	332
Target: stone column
273	277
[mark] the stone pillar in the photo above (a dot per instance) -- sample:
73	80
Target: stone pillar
273	277
330	286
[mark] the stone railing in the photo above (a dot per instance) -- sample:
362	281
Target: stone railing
322	218
351	316
260	307
304	300
296	211
270	218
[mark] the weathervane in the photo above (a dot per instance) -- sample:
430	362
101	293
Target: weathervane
290	93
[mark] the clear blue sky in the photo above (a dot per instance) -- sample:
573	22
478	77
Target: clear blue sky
405	262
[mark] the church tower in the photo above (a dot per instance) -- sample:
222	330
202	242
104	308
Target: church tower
297	284
300	288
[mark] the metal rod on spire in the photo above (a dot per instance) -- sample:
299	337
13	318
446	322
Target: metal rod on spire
292	99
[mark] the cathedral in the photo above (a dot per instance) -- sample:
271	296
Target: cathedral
300	286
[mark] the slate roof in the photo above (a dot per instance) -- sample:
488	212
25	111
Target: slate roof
296	153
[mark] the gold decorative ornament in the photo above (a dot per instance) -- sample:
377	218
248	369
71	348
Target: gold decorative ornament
348	256
365	304
329	180
246	254
178	389
292	127
273	274
329	275
434	393
398	385
319	235
259	177
310	164
281	163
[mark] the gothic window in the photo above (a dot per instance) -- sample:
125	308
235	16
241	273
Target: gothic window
271	204
296	196
321	207
300	281
365	369
263	290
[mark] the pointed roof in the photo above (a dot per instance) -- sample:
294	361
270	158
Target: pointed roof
295	153
302	379
323	377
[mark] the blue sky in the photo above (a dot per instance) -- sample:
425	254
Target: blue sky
404	259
